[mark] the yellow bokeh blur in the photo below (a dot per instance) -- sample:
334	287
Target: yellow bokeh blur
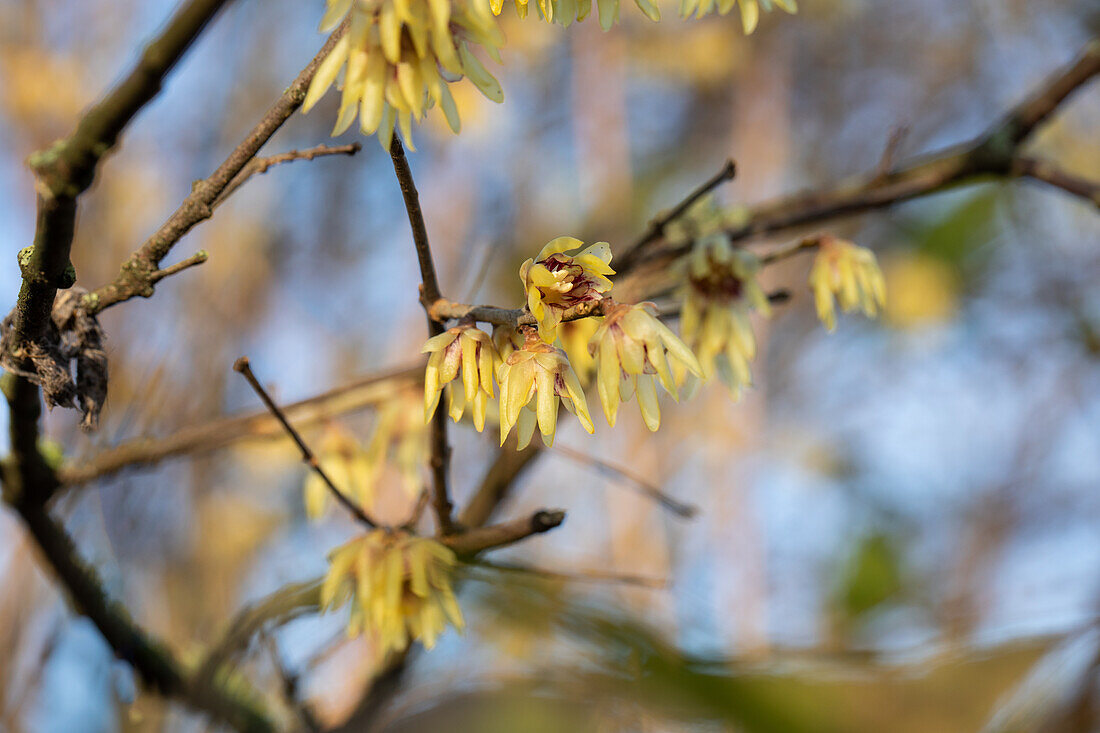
923	290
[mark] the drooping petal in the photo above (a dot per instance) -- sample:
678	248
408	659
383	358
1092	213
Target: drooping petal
326	74
647	401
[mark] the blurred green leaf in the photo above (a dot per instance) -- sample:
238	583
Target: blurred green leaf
871	577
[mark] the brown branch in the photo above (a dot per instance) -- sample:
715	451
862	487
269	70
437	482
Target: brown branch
790	250
196	259
259	166
155	664
62	173
443	309
66	169
657	226
136	276
573	576
993	154
429	294
289	602
1047	172
242	366
219	433
296	599
280	607
474	541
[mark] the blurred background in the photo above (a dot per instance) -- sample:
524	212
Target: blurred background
898	527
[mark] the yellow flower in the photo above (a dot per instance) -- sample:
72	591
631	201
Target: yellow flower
719	292
750	9
399	586
400	438
397	58
555	282
347	464
849	273
574	337
566	12
532	380
463	349
630	346
506	339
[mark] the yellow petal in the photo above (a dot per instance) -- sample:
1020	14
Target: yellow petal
481	403
546	405
450	111
470	374
412	86
385	127
390	28
334	13
557	246
525	428
457	399
609	13
316	495
607	382
650	9
647	401
482	79
326	74
750	14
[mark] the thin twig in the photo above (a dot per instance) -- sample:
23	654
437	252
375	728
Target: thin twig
483	260
291	601
67	169
242	366
1047	172
152	660
133	279
429	294
279	607
362	392
657	226
259	166
296	599
990	155
196	259
645	487
474	541
573	576
890	152
790	250
289	683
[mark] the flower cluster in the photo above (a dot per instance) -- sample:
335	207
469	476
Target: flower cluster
533	379
750	9
631	346
555	282
399	587
574	337
397	57
626	347
399	441
347	464
847	274
463	349
719	292
566	12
